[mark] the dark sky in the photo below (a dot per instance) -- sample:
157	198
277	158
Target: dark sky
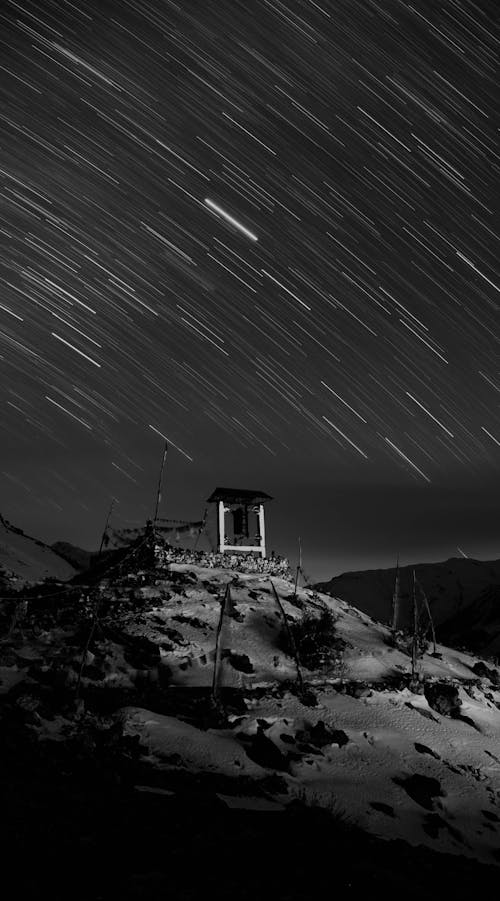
268	231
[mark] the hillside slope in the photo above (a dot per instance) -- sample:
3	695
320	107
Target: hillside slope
418	762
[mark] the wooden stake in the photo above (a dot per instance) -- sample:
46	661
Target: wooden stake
160	479
293	646
218	650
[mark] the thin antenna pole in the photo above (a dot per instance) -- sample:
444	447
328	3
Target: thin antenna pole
160	479
414	645
298	571
431	621
103	539
395	599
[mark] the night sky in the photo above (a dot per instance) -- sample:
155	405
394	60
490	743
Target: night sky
269	232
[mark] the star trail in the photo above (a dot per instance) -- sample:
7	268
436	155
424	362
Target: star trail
269	231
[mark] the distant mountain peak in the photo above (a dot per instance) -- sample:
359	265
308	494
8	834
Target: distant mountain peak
456	589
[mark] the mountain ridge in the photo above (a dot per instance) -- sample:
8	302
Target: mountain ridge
452	587
26	559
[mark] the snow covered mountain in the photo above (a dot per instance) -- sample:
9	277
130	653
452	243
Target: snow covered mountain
417	760
452	588
27	559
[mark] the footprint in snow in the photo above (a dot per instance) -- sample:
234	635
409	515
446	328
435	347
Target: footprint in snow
433	824
423	712
490	816
383	808
496	759
423	749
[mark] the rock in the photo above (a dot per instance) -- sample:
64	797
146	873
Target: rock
481	670
140	652
484	672
265	753
240	662
422	789
321	735
443	697
361	692
494	677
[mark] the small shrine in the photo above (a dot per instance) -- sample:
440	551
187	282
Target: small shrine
245	531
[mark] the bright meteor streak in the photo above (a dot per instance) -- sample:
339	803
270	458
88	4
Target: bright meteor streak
76	349
172	443
355	446
217	209
430	414
401	454
490	435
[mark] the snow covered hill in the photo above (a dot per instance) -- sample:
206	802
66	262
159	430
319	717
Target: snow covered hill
27	559
404	759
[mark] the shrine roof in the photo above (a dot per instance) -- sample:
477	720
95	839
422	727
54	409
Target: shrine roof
238	496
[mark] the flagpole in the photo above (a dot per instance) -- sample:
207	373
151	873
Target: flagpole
106	527
202	527
298	571
414	644
160	480
395	599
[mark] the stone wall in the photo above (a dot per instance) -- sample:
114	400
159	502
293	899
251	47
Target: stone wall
254	563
